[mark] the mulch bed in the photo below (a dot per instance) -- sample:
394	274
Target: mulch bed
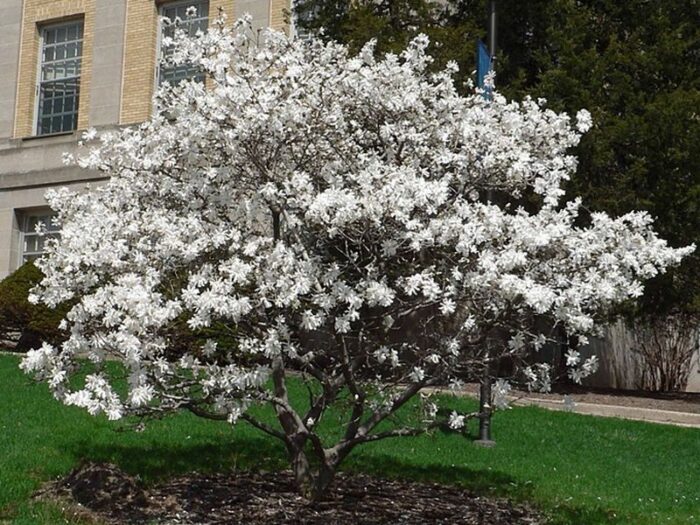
108	494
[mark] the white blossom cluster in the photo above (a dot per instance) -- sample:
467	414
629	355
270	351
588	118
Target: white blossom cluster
311	210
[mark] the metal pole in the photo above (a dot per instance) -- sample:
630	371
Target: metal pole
485	390
485	406
492	30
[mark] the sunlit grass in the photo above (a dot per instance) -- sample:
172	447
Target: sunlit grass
578	469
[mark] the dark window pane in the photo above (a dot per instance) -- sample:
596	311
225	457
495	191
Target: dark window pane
57	105
60	78
30	244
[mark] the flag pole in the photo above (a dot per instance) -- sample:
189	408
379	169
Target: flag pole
485	394
492	30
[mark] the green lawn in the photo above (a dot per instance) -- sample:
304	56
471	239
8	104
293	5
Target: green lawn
578	469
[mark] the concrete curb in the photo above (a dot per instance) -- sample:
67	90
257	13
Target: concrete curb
650	415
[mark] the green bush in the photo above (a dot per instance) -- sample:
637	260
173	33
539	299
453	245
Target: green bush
24	325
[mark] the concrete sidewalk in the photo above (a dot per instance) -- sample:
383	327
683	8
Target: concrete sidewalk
651	415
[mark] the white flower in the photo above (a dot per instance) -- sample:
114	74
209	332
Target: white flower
469	324
417	374
378	294
89	134
584	121
456	385
501	390
516	342
590	366
381	354
538	377
311	321
209	347
448	306
142	395
572	357
456	421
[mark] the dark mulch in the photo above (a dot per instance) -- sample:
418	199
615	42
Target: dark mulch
269	498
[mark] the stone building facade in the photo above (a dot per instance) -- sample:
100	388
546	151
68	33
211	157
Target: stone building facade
67	65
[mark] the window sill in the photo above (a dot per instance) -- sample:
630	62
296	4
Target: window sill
47	136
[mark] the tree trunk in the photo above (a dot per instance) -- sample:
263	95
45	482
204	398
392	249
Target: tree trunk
302	472
322	482
312	484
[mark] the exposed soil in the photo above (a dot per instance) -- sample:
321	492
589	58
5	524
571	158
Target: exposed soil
269	498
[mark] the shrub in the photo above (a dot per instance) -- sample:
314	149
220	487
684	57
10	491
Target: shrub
667	346
23	325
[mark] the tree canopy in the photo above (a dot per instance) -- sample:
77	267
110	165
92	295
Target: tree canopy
313	212
635	65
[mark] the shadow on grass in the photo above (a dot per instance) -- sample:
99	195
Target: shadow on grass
153	462
490	483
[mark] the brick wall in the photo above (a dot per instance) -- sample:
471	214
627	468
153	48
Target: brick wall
279	15
139	60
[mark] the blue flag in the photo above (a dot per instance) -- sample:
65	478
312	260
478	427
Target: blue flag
483	64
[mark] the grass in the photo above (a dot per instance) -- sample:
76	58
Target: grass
577	469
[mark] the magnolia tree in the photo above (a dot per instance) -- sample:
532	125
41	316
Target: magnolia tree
306	215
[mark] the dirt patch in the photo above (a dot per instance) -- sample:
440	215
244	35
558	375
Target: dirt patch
269	498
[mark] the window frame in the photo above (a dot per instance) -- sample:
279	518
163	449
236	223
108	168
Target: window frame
25	217
162	6
305	36
43	27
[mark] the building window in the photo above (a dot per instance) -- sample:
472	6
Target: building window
59	82
33	242
181	12
302	15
